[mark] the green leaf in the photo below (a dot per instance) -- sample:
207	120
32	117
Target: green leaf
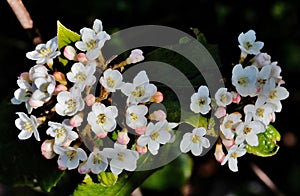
65	37
21	162
267	143
197	120
164	179
107	179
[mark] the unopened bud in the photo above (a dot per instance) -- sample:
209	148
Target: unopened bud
219	154
158	115
220	112
158	97
60	88
60	77
25	76
135	56
141	130
70	53
141	149
123	138
47	149
236	98
82	58
83	169
90	99
76	120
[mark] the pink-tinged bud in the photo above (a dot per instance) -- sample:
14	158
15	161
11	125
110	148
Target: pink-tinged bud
281	82
102	135
123	138
141	130
70	53
158	97
25	76
60	88
141	149
262	59
81	57
220	112
90	99
35	103
61	168
135	56
219	154
158	115
76	120
236	98
83	169
228	143
47	149
60	77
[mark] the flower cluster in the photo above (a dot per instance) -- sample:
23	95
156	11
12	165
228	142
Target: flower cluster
58	94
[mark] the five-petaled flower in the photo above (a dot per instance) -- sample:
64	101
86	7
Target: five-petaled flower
69	157
200	101
248	45
233	153
111	80
28	126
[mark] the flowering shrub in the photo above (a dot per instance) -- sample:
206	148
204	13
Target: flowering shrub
67	101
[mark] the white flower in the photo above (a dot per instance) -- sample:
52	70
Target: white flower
38	71
233	153
69	157
28	126
248	130
62	132
44	53
45	88
140	90
261	60
263	113
194	142
229	124
68	103
248	45
155	135
135	56
121	158
102	118
97	162
200	101
111	80
23	94
244	79
273	95
135	116
223	97
82	75
92	40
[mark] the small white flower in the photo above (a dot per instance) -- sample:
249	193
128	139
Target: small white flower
28	126
97	162
68	103
233	153
229	124
248	130
111	80
263	113
200	101
82	75
44	53
248	45
135	56
69	157
155	135
135	116
102	118
92	40
223	97
140	90
38	71
23	94
244	79
121	158
62	132
194	142
45	88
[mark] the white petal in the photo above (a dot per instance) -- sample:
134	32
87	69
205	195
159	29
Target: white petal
232	163
143	140
23	135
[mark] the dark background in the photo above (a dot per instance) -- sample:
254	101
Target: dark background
275	22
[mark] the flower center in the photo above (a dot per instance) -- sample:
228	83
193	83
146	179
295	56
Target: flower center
195	139
235	155
60	132
243	81
110	82
80	76
92	44
71	104
201	101
248	44
247	130
101	118
260	112
154	135
224	98
121	156
28	126
97	160
71	154
228	124
133	117
45	51
272	94
139	92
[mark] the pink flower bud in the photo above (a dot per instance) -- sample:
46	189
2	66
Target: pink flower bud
60	77
70	53
135	56
123	138
35	103
141	149
60	88
158	115
61	168
141	130
219	154
236	98
262	59
25	76
90	99
158	97
82	58
83	169
228	142
47	149
102	135
220	112
76	120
